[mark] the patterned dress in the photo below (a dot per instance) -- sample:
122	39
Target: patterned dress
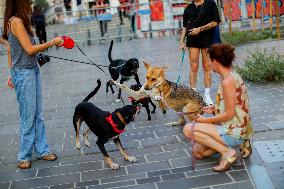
240	125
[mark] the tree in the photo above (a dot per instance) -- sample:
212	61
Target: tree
42	3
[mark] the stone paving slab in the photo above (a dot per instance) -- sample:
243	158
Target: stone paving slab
164	154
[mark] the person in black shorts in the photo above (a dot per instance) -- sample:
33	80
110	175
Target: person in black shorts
199	19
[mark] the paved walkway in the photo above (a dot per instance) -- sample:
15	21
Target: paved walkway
163	153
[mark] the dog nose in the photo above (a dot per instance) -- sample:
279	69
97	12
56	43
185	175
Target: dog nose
146	88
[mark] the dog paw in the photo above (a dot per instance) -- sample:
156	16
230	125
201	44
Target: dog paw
158	98
113	166
164	111
131	159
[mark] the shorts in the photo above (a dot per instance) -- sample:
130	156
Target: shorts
228	140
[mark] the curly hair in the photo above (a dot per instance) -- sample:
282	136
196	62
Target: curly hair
223	53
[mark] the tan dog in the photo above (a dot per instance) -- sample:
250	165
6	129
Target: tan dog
176	97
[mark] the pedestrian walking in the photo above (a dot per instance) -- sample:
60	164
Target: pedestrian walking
100	9
38	20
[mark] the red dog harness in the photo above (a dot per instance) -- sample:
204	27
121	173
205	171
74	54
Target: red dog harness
113	125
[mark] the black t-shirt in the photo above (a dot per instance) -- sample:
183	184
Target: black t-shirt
201	15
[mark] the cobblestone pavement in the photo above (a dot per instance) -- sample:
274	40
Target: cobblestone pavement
163	153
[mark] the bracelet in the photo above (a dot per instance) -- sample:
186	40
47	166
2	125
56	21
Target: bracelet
51	43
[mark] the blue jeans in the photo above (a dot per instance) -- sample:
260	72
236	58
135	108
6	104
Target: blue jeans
228	140
32	131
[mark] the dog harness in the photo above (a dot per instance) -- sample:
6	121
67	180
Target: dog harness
113	125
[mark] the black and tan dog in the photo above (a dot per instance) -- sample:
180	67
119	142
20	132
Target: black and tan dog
143	101
126	69
105	125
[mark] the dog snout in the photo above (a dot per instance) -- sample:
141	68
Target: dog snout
146	87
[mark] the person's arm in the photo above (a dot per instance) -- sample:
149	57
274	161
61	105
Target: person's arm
183	31
18	29
229	92
215	20
208	26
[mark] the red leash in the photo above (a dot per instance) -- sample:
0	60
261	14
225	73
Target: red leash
192	143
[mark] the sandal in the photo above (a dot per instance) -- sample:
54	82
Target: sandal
49	157
246	149
24	165
225	163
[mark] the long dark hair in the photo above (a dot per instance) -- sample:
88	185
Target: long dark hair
21	9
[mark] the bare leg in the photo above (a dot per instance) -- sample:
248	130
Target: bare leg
194	63
200	151
206	68
207	135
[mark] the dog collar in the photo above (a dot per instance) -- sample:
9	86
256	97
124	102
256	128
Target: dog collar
138	101
120	118
113	125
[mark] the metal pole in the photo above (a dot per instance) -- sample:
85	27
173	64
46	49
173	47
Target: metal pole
277	20
230	11
262	15
270	19
253	15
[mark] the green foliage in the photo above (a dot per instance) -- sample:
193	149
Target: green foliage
242	37
42	3
262	66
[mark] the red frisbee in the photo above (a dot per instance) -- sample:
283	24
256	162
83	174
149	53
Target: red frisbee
68	42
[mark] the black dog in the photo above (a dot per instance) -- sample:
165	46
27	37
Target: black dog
104	125
143	101
121	67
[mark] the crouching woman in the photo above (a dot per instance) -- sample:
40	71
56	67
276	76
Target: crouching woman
230	127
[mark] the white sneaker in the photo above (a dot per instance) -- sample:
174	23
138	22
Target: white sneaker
207	99
117	100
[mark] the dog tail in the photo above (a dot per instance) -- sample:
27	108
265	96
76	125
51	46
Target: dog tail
94	91
109	51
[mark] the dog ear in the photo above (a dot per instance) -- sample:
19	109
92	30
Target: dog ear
147	66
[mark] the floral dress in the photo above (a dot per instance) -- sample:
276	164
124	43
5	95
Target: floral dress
240	126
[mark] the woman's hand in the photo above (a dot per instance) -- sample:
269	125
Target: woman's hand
194	31
57	41
182	46
9	82
201	119
209	109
